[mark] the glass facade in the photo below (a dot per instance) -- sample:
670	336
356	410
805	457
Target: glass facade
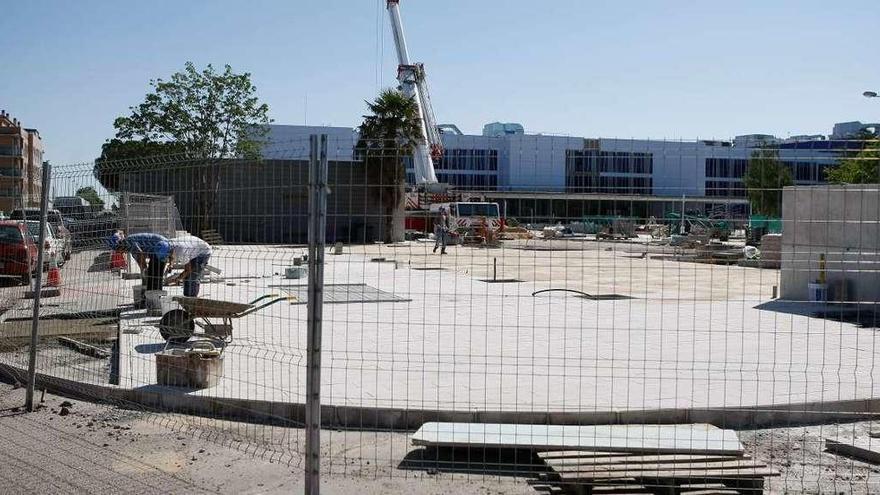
616	172
463	168
724	175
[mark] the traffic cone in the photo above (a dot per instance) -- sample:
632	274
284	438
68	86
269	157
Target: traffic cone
117	261
54	277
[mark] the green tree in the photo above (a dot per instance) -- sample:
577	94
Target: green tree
863	168
91	196
764	179
388	135
119	156
208	115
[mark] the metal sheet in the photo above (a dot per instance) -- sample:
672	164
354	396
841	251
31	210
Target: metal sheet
343	293
688	439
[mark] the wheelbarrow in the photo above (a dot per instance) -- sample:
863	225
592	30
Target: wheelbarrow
178	325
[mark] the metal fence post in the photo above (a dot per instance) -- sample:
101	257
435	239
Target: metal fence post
38	287
317	232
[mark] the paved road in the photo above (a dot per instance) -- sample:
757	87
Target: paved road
87	286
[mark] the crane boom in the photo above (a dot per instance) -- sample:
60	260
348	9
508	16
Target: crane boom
413	85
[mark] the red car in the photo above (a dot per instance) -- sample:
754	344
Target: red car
18	252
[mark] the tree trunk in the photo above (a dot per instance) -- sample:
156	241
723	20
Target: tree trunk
397	215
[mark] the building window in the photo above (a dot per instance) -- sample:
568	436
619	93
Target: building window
590	171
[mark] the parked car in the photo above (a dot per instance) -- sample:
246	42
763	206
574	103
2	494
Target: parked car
53	244
18	252
52	216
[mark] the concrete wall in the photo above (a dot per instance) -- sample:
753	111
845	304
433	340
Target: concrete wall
843	224
534	162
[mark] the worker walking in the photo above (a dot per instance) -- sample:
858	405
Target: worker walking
441	230
150	251
194	253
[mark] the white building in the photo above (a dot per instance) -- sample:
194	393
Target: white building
507	159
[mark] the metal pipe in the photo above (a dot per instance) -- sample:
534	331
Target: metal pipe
38	287
317	233
411	86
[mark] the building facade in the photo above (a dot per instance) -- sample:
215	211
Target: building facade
21	164
708	173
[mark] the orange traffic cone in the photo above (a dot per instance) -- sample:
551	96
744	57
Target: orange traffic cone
54	277
117	260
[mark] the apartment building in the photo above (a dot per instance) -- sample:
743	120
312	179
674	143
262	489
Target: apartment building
21	164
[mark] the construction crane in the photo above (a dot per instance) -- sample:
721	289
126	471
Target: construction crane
414	85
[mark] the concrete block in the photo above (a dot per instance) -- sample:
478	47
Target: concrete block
691	438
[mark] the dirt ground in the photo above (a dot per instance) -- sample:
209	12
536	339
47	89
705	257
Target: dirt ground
96	448
101	449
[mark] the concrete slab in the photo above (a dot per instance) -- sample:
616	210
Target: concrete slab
460	344
658	439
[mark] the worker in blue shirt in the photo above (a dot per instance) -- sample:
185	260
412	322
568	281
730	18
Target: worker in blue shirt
151	252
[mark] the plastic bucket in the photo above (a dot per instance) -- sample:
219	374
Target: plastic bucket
138	296
295	272
818	292
154	301
167	303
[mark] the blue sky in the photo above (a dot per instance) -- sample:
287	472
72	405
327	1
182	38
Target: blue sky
670	69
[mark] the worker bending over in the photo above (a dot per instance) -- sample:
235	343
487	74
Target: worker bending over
151	252
194	253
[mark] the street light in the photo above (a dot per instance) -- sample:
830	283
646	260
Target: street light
870	94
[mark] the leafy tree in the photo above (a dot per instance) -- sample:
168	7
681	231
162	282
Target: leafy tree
387	135
214	115
119	156
208	115
764	179
91	196
863	168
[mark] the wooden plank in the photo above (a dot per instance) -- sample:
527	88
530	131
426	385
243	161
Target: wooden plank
619	489
83	348
650	467
562	454
867	450
649	439
711	491
640	459
703	474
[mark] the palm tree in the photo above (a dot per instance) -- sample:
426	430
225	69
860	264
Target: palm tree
387	135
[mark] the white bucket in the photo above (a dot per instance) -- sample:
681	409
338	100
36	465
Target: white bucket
154	301
167	303
138	295
295	272
818	292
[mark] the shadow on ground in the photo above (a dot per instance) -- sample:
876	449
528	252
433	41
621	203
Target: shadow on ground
100	263
490	462
863	315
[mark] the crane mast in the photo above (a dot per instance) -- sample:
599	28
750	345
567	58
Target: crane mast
414	85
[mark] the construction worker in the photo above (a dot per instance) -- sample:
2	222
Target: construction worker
441	230
194	253
151	252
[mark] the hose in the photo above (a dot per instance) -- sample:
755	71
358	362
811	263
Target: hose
560	290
